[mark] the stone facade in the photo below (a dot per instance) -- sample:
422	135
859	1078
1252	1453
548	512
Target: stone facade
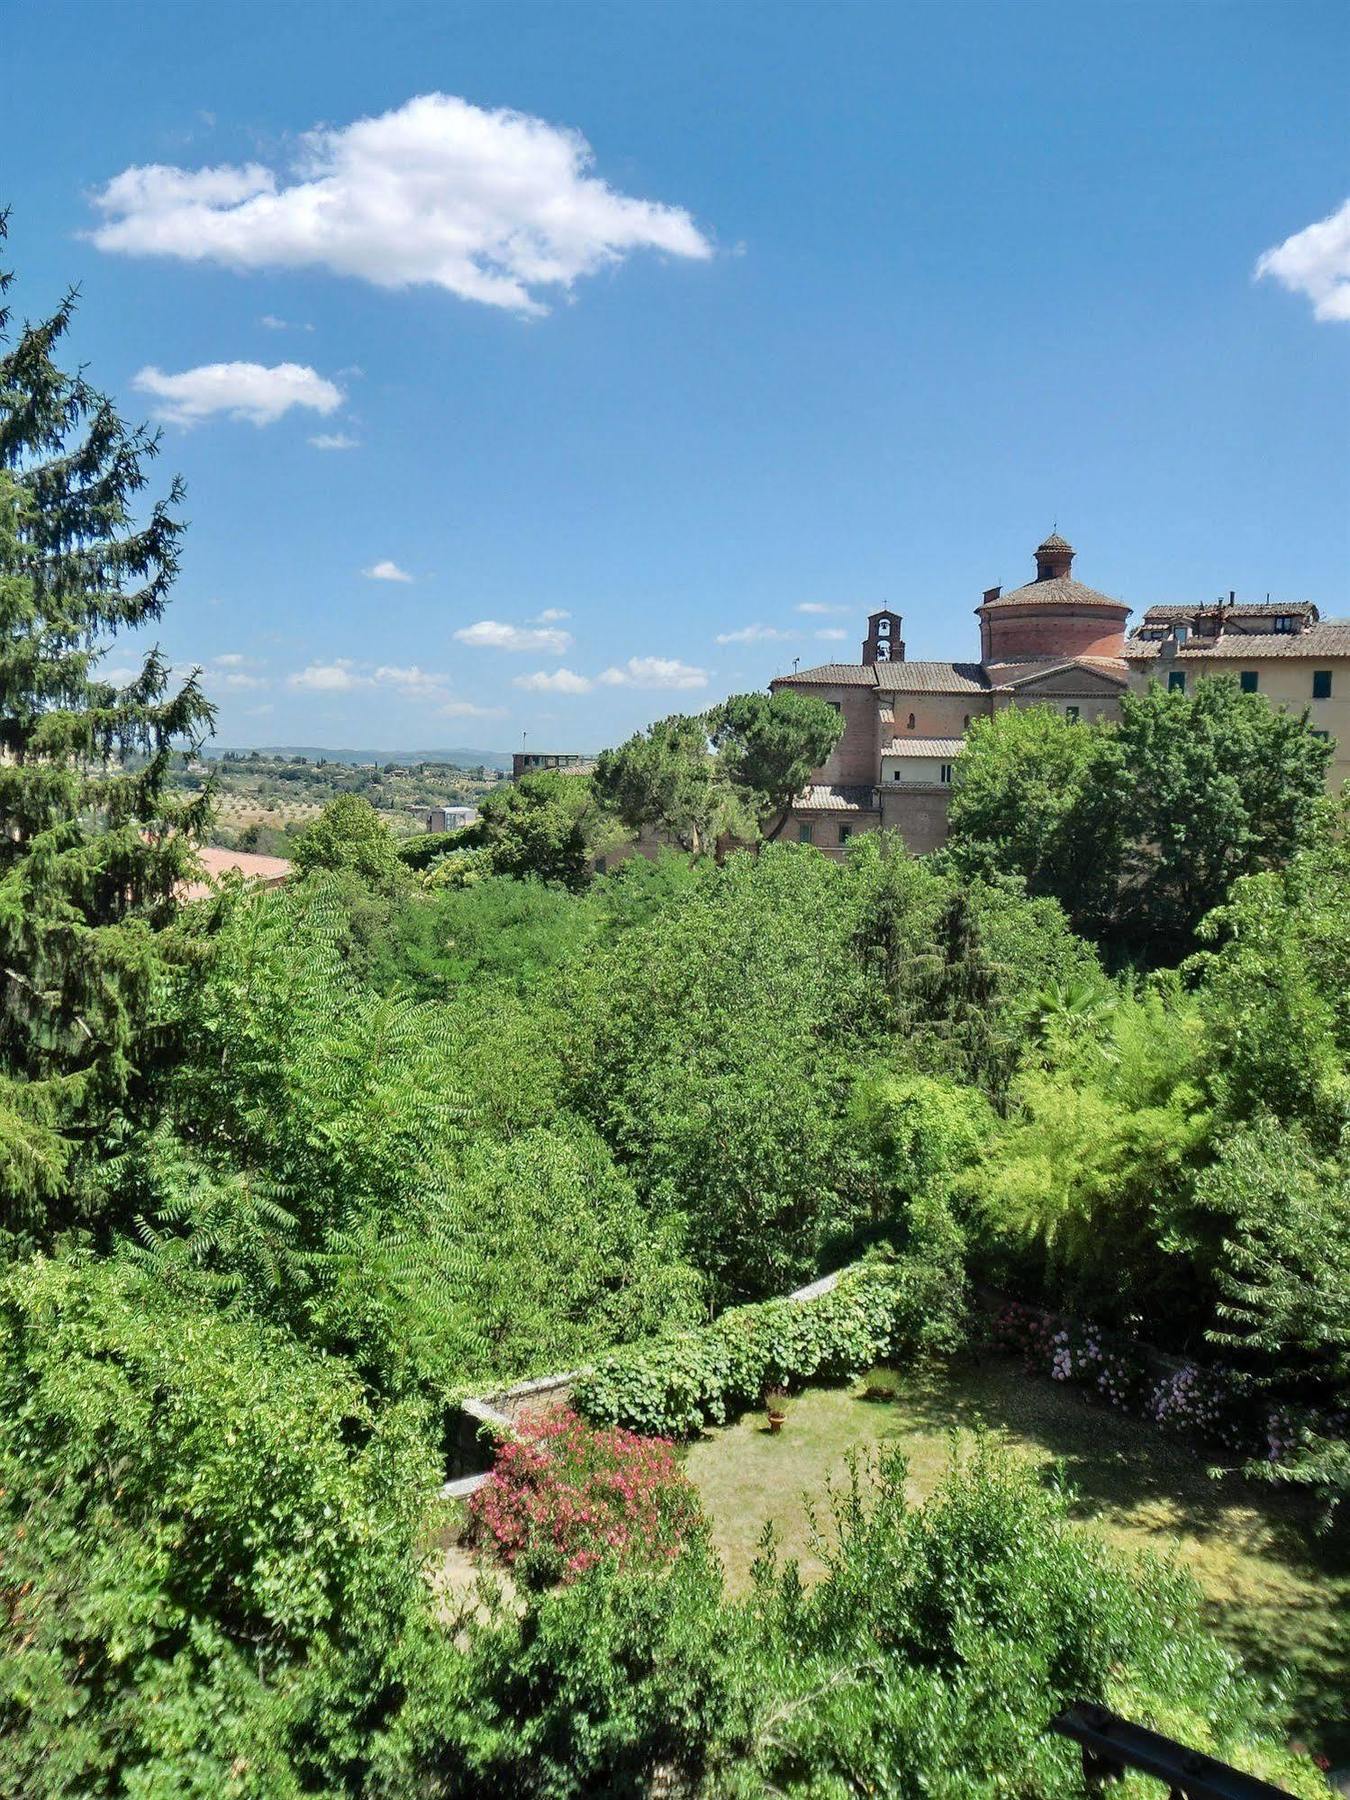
1053	642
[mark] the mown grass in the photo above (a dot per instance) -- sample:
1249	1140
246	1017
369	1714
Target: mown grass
1273	1590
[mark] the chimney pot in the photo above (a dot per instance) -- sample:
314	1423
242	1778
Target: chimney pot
992	594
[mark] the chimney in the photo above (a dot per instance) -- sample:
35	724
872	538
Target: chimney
991	594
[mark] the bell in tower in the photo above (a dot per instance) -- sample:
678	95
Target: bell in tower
883	642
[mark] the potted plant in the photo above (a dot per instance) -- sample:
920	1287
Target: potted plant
775	1405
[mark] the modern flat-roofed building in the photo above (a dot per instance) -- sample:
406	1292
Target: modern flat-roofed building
531	762
1282	649
1053	642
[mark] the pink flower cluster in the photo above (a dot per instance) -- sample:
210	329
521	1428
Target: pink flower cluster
564	1495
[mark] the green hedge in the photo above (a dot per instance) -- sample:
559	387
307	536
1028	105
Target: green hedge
674	1386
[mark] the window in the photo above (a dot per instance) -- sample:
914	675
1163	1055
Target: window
965	723
845	833
883	628
1182	633
883	653
1321	734
1249	681
895	774
1176	681
945	772
1071	714
909	723
804	834
1321	684
1284	622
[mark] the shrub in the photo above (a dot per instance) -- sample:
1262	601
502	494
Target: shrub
209	1582
677	1385
564	1497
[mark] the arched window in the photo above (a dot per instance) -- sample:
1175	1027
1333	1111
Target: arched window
883	628
965	723
910	725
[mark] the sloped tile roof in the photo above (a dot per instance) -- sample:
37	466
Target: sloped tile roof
924	746
830	675
1058	590
1331	637
824	798
931	677
1015	675
1261	609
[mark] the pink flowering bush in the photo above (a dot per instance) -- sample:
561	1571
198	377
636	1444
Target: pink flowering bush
564	1496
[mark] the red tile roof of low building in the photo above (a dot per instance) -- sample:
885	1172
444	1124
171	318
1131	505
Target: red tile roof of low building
1330	637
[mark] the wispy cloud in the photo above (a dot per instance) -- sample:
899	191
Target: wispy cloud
551	615
327	678
818	606
491	634
559	681
1316	262
831	631
334	440
386	571
655	672
752	634
495	206
469	709
273	323
242	390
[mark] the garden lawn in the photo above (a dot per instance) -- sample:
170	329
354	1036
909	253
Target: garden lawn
1273	1594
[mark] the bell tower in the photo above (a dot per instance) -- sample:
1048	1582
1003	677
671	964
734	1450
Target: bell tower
883	642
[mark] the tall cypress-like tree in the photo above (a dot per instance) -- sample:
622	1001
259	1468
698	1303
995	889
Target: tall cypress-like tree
92	841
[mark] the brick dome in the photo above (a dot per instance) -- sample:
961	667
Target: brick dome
1052	616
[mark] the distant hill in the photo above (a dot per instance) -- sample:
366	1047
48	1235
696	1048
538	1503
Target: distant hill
462	759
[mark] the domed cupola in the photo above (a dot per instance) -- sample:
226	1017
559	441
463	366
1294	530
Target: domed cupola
1053	617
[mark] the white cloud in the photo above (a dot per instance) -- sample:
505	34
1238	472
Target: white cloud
466	709
490	634
833	632
1316	262
343	676
550	616
415	683
751	634
333	678
237	679
490	205
231	659
386	571
334	440
119	674
561	681
273	323
655	672
818	606
244	390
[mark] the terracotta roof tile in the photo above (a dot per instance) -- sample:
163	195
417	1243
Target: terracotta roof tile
824	798
1261	609
924	746
1059	590
932	677
1331	637
830	675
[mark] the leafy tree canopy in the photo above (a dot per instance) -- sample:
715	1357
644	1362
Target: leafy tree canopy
768	744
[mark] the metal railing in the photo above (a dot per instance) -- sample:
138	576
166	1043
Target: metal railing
1111	1745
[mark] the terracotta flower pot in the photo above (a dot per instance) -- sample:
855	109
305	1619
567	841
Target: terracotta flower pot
776	1421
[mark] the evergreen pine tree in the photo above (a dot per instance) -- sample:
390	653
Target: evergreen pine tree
92	841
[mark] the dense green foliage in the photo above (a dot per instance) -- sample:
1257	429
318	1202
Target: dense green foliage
285	1174
926	1661
1140	829
90	851
209	1581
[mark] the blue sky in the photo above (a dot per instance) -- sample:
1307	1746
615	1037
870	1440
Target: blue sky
849	306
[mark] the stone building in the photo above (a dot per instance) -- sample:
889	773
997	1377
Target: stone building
1284	650
1053	642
